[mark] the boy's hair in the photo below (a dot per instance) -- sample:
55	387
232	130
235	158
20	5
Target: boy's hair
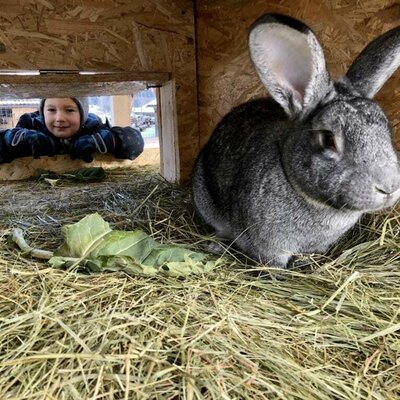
81	102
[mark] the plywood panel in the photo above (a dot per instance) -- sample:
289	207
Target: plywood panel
109	35
167	114
23	168
226	76
69	83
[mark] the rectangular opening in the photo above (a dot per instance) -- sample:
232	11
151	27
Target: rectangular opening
138	111
144	101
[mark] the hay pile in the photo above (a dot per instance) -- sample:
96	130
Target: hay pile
327	330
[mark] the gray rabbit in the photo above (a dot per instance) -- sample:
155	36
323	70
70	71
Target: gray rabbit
292	174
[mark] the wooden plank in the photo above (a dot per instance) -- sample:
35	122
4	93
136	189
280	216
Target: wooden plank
69	90
84	77
25	167
169	150
72	84
121	110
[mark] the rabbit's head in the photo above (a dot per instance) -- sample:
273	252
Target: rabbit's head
338	150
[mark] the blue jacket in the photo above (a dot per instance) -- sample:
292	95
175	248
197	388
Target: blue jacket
30	137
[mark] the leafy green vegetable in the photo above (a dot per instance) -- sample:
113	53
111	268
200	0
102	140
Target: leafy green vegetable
91	244
81	237
86	174
82	174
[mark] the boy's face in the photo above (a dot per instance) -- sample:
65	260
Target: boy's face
62	117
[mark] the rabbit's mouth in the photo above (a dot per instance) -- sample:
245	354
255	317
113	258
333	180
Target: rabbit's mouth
388	198
371	201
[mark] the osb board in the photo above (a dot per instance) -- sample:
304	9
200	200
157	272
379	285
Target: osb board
109	35
226	76
25	167
73	84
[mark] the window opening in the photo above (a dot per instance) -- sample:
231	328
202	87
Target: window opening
160	137
142	115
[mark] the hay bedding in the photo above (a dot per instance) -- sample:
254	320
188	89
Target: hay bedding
329	330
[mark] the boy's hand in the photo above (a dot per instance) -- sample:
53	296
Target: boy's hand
83	148
26	143
41	144
130	141
100	142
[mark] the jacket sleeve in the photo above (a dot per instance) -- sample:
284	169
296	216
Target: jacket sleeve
126	143
27	121
14	142
9	146
8	137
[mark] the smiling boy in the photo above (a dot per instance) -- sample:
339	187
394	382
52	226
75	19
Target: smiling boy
62	116
63	125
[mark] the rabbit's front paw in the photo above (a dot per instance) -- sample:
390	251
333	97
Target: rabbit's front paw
214	248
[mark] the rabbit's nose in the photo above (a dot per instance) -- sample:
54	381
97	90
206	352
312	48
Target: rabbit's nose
380	190
391	189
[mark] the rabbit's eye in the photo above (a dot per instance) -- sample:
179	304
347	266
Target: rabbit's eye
327	140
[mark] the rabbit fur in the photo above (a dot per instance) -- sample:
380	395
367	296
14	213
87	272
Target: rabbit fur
292	173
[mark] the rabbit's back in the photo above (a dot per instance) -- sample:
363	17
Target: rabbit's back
230	170
244	141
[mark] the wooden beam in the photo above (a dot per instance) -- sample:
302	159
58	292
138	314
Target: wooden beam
169	149
121	110
72	84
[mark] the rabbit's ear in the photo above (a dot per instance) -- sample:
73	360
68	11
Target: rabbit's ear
376	63
290	62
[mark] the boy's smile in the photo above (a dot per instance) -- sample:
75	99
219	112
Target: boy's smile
62	117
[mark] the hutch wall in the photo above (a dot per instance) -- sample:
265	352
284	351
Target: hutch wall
196	50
